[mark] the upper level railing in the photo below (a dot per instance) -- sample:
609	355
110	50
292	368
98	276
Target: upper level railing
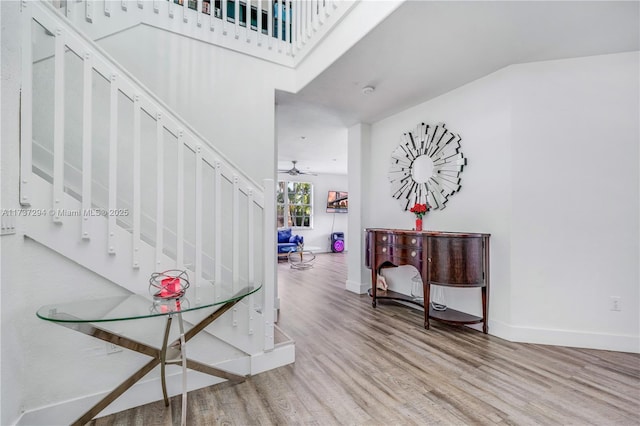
282	31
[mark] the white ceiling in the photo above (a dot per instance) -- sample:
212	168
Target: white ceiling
427	48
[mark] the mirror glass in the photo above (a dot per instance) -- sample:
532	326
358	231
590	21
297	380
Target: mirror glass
426	166
422	169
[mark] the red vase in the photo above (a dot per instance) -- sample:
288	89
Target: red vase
418	224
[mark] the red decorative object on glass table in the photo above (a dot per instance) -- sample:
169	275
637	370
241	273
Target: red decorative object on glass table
170	284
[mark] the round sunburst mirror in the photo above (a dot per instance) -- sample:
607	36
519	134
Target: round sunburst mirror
426	166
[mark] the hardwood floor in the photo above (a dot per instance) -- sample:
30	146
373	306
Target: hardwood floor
356	365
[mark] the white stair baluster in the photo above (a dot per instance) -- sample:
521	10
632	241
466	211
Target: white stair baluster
288	27
217	220
303	22
159	192
269	289
198	207
136	182
26	107
309	20
280	29
314	14
251	275
235	233
236	18
113	163
212	15
259	22
321	13
180	203
247	17
58	128
224	16
88	11
87	126
270	24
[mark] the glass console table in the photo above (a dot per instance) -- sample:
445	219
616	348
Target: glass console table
200	305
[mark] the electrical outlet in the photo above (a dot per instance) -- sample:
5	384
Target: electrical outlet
615	303
112	348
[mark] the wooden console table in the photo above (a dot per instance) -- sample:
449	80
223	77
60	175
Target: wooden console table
452	259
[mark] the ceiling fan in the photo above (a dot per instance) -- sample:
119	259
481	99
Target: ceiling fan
294	171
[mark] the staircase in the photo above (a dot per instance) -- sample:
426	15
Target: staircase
120	184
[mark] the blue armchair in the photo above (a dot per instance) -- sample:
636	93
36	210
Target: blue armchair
288	242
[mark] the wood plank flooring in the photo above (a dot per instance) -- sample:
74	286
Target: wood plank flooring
356	365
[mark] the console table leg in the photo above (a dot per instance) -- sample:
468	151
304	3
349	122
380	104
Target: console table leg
374	286
485	326
114	394
163	362
183	357
426	290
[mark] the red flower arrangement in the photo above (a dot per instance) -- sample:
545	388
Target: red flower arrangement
420	209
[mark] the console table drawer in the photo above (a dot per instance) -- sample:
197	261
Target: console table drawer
410	241
386	238
396	252
398	240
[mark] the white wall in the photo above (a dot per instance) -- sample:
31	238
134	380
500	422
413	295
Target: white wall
552	175
323	223
574	239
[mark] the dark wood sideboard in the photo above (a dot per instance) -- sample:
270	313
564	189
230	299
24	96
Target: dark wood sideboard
452	259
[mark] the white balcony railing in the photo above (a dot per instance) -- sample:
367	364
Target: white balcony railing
282	31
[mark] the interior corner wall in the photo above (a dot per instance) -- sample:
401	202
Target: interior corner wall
359	140
552	175
575	212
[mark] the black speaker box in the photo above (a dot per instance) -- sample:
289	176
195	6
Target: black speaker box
337	242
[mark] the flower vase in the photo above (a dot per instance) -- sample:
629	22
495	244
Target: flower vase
418	224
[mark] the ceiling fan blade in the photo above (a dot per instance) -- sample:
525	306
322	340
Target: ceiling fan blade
294	171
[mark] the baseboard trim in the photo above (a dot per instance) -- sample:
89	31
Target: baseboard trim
356	287
568	338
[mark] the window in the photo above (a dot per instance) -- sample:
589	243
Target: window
294	203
